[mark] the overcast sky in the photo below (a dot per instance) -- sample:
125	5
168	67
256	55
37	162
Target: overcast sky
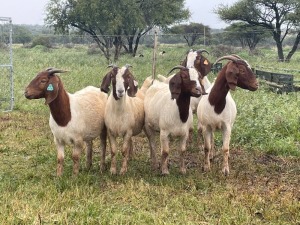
33	11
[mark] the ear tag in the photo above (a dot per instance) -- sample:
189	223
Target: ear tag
205	62
50	87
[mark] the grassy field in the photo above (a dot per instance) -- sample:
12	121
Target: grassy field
262	188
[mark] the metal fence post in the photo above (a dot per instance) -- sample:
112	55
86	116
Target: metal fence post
154	55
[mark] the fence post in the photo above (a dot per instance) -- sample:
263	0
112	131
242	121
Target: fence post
154	55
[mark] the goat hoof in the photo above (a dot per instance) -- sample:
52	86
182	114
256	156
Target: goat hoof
226	172
123	171
205	168
113	171
183	171
165	172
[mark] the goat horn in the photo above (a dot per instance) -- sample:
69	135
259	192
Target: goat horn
52	70
229	57
128	65
177	67
202	50
235	55
112	66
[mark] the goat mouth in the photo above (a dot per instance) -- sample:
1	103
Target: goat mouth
197	95
253	88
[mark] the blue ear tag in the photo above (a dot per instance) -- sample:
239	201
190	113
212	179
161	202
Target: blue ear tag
50	87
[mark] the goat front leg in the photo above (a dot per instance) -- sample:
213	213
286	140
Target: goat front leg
226	141
164	141
76	157
89	154
60	157
182	146
125	151
152	144
113	150
103	138
207	135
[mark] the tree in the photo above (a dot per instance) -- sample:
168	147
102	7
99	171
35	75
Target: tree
109	21
281	17
21	34
246	34
191	32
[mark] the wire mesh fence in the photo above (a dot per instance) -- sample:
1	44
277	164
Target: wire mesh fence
6	67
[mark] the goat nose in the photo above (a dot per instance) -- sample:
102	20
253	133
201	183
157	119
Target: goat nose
120	91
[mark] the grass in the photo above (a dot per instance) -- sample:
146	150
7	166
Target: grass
262	188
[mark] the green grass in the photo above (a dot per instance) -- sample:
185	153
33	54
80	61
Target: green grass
262	188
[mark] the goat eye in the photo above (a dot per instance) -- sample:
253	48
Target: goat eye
43	81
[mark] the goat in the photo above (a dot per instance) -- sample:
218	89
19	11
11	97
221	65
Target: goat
217	110
167	110
124	115
74	118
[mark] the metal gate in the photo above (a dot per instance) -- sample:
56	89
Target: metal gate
6	67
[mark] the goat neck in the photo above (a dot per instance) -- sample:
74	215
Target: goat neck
60	107
183	103
219	91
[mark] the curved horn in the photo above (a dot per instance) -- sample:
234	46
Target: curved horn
202	50
52	70
229	57
128	65
235	55
177	67
112	66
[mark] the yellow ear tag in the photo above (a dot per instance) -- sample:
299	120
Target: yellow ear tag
205	62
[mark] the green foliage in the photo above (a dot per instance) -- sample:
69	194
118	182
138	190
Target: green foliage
192	32
247	35
21	34
41	40
280	17
106	21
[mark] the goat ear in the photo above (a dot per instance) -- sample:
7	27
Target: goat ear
51	92
175	86
106	83
232	75
133	87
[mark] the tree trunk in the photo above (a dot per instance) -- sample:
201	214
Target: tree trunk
293	50
118	45
137	41
276	37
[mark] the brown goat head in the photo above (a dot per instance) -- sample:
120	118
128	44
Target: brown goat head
45	85
185	82
239	73
122	81
197	60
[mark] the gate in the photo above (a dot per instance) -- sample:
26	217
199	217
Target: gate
6	67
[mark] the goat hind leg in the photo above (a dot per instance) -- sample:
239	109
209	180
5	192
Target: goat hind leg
164	140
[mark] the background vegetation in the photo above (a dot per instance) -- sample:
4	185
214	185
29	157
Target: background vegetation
263	187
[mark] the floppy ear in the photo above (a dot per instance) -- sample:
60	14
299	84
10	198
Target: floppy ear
51	92
205	66
175	86
133	87
232	75
106	83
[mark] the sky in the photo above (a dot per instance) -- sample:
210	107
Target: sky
33	11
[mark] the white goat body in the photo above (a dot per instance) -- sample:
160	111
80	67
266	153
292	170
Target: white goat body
74	118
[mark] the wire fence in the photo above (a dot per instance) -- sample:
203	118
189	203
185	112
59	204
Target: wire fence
6	67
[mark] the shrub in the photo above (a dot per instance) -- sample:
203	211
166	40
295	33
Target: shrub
41	40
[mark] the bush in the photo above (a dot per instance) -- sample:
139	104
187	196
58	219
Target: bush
44	41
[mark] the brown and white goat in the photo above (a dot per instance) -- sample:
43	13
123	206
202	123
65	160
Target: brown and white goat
74	118
217	110
124	113
167	110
